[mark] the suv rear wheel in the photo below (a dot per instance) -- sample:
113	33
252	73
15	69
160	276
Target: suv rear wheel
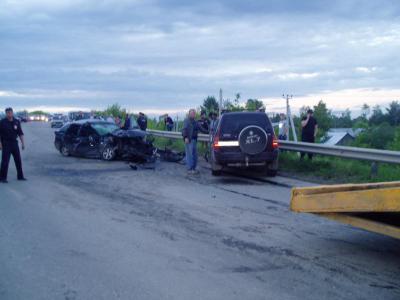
216	169
272	168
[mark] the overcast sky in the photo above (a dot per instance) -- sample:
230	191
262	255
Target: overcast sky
168	55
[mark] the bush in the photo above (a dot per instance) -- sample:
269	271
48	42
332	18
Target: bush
378	137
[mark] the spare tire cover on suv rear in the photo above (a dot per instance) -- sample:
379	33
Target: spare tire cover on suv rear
253	140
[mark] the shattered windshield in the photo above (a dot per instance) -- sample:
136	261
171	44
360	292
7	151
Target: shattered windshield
104	128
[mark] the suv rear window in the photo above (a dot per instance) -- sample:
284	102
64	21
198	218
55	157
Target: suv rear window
233	124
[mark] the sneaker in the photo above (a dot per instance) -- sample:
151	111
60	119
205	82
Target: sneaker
22	179
196	172
3	181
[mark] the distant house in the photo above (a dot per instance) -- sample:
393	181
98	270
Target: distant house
341	136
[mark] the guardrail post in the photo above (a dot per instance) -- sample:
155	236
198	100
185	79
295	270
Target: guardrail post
374	169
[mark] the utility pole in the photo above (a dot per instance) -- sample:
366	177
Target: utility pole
289	118
220	102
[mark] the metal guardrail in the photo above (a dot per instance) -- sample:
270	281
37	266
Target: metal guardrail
343	152
374	155
176	135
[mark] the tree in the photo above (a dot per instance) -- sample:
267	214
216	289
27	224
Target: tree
38	112
365	111
237	97
393	113
303	110
323	116
344	121
210	104
236	101
395	145
233	106
254	105
115	110
377	116
360	123
378	137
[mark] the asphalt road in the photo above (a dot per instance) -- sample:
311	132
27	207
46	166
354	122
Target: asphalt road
88	229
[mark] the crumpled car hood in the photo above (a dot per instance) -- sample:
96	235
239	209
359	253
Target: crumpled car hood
132	133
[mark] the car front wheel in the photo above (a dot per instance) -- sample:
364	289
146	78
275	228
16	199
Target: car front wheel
108	153
64	151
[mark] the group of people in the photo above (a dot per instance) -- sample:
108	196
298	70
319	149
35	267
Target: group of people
190	131
127	124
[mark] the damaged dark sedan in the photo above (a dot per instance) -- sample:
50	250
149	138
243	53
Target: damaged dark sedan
103	140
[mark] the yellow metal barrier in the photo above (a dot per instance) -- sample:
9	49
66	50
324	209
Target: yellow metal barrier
374	207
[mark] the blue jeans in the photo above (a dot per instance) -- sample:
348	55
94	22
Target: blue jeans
191	155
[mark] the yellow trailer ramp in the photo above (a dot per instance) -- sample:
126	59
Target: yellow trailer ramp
374	207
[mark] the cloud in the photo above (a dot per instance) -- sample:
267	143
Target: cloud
339	100
161	55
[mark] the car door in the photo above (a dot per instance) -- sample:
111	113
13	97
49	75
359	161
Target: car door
71	138
89	140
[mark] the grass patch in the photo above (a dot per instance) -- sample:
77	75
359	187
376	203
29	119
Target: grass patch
336	169
177	145
162	143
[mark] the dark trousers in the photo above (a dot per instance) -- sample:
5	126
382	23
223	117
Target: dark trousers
10	148
307	139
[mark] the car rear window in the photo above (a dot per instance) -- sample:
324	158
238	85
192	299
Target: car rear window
232	125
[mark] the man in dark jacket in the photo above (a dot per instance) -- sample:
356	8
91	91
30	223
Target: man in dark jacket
169	123
213	117
142	121
309	130
10	130
189	132
204	123
127	123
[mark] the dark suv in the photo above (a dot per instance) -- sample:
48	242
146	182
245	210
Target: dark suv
244	139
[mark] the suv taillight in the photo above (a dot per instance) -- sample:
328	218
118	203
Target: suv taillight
275	143
216	141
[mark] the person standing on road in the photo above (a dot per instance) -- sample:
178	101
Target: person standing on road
110	119
213	122
283	128
189	132
127	123
118	121
204	127
142	121
204	123
10	130
169	123
309	130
